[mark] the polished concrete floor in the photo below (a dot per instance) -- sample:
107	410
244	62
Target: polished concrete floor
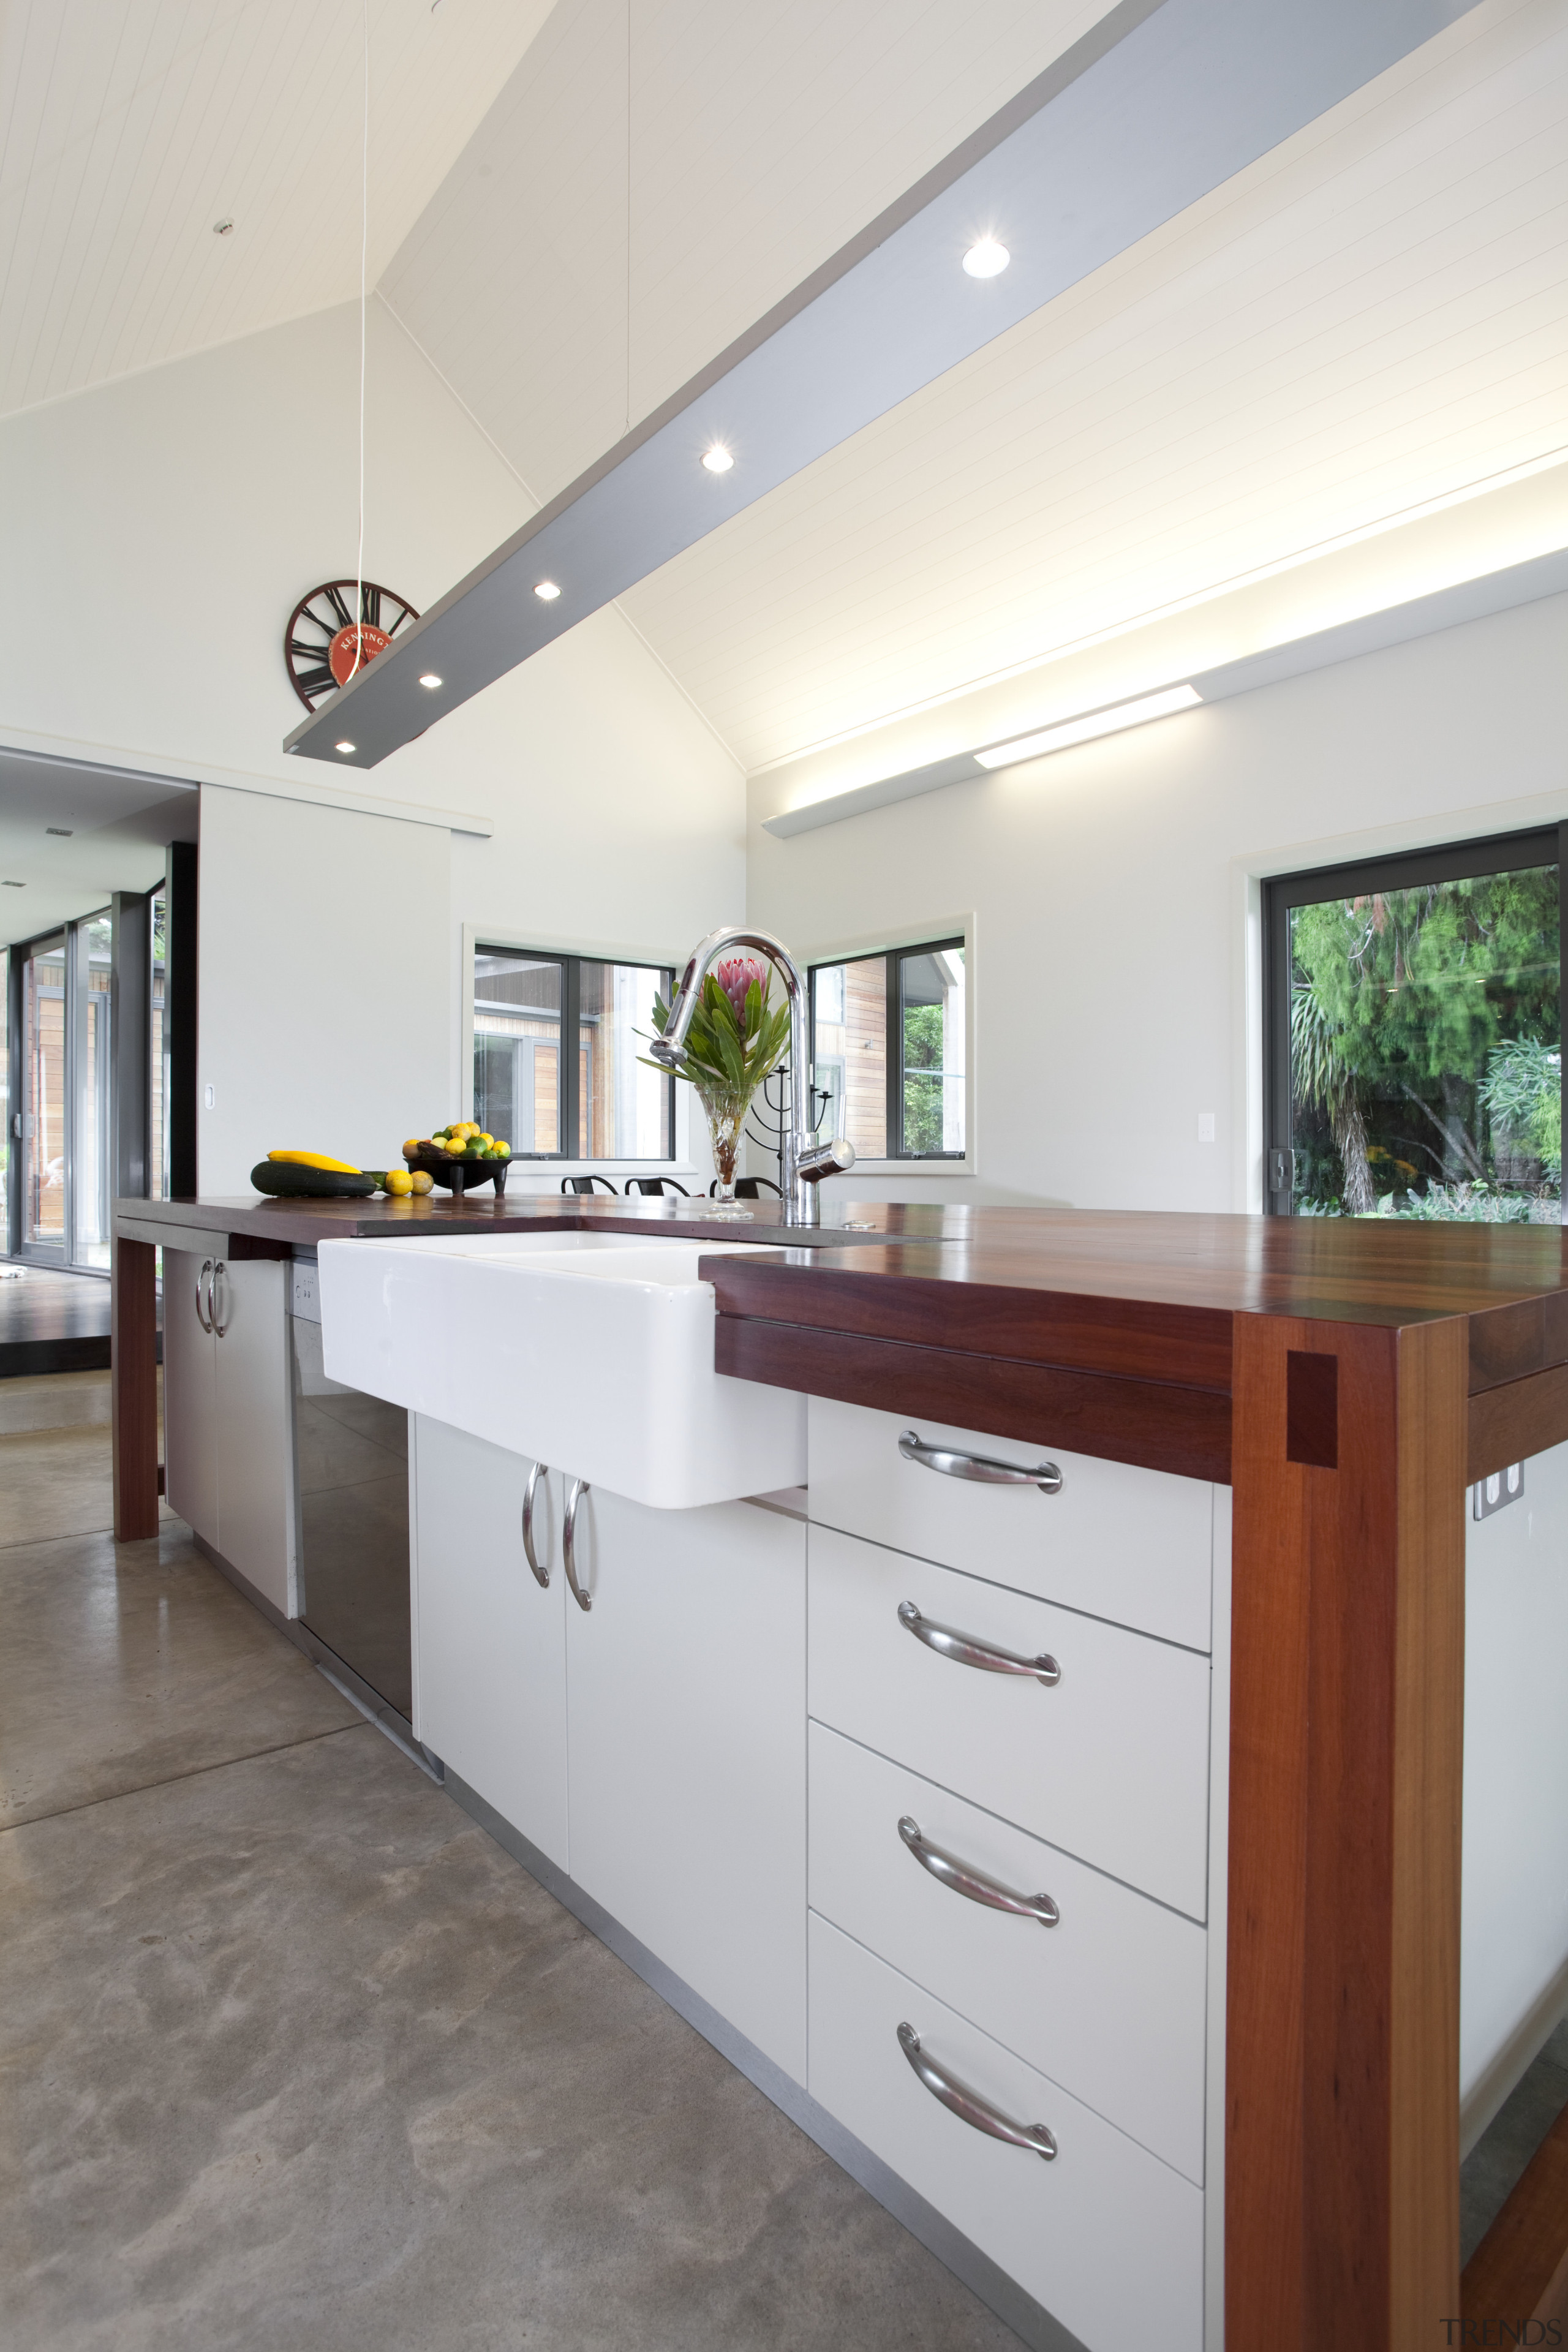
296	2060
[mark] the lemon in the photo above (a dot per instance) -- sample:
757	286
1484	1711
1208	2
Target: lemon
503	1151
415	1143
421	1181
399	1183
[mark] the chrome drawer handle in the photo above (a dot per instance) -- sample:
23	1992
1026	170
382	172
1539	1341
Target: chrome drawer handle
978	1466
218	1269
204	1320
972	2106
574	1493
978	1884
542	1574
964	1651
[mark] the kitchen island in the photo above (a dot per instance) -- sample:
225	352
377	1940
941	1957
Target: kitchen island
1315	1395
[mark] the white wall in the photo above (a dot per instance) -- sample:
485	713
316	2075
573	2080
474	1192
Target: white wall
159	532
1114	970
318	1028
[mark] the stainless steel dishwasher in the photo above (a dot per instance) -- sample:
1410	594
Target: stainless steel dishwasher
351	1455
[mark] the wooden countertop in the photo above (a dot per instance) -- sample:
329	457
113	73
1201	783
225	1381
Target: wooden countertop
1114	1325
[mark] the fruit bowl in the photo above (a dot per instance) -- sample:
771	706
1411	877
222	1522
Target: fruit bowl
457	1175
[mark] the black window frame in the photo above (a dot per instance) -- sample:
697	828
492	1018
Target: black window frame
893	1048
1496	853
569	1089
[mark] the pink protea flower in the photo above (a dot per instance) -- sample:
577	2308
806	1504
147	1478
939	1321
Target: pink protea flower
734	975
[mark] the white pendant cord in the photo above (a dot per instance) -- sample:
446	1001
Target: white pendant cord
363	247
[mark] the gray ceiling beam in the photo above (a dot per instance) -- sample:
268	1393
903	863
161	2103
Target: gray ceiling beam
1163	102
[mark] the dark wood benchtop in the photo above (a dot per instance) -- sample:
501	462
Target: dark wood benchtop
1013	1319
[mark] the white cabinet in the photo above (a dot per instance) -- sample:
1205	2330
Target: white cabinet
1131	1544
190	1395
1110	1761
1107	2236
489	1643
227	1436
1107	1998
686	1738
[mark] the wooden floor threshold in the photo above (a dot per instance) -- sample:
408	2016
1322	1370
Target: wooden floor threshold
1519	2272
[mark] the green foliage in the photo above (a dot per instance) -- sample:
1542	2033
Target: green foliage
1422	983
1474	1204
922	1094
720	1056
1523	1093
1425	1028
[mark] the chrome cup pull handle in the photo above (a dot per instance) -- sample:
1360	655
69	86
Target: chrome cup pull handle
981	1467
965	1650
978	1884
972	2106
574	1493
541	1572
220	1269
203	1319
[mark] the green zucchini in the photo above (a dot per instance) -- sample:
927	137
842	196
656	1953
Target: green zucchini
288	1181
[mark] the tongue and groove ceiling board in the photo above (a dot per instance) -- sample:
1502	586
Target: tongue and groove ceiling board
128	127
1370	318
582	263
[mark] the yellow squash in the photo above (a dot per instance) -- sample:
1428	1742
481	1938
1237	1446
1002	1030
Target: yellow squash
318	1159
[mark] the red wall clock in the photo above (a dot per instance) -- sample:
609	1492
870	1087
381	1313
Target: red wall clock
321	640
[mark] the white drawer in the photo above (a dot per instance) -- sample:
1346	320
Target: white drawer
1105	2236
1133	1545
1111	1762
1108	2002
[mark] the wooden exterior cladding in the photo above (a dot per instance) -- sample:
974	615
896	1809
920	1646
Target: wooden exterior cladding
1347	1380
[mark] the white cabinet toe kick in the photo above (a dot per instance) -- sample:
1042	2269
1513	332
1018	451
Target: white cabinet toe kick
902	1790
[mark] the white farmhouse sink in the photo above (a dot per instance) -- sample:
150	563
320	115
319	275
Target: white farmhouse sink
593	1352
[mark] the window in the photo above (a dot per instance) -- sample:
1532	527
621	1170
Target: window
1414	1035
887	1044
557	1040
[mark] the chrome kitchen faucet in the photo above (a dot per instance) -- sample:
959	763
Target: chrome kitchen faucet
804	1161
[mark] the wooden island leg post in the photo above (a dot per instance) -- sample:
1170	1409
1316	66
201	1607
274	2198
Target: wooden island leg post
133	1379
1342	2056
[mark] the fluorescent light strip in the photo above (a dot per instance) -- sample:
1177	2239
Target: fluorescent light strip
1084	731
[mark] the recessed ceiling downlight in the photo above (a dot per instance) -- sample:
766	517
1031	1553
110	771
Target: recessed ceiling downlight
430	681
343	747
987	258
718	459
547	591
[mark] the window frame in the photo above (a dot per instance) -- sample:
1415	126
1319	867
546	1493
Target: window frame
929	939
478	942
1496	853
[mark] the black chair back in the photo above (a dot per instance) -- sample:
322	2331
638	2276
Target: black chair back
659	1185
584	1183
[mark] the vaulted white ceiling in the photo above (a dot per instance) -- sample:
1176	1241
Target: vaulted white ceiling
1370	318
129	127
574	208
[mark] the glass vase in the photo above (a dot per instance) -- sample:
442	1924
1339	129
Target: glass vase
726	1110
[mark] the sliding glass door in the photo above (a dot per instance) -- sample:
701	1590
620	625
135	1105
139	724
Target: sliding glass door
43	1103
63	1140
